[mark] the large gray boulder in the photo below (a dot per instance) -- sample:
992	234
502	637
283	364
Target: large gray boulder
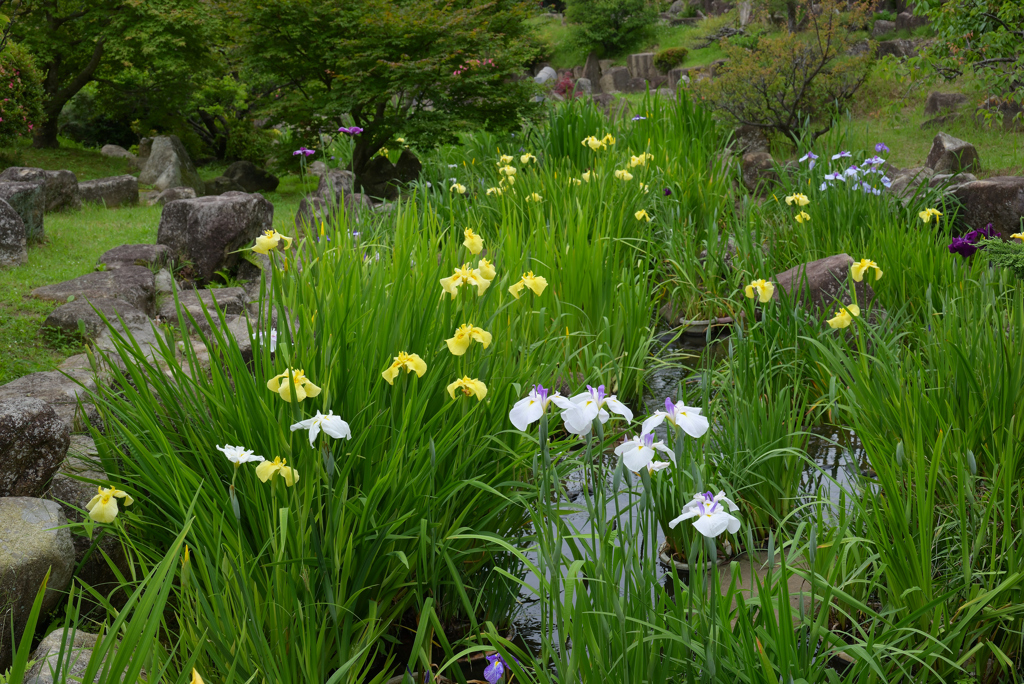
545	75
897	48
883	27
33	443
907	182
230	300
592	69
114	191
172	195
29	201
208	231
615	80
83	316
66	392
220	185
34	540
952	155
381	178
251	178
641	65
131	284
13	242
823	285
758	171
939	102
60	188
998	200
116	152
150	256
169	166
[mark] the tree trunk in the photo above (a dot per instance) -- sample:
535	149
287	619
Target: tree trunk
57	97
45	134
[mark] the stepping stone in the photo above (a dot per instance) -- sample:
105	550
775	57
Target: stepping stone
60	188
82	316
150	256
114	191
230	300
130	284
65	391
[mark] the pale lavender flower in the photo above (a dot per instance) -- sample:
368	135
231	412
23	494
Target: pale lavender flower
352	130
812	157
841	155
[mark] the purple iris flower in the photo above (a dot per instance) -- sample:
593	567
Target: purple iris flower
881	147
886	181
496	668
639	118
834	176
812	157
304	151
852	171
354	130
966	246
841	155
667	192
874	161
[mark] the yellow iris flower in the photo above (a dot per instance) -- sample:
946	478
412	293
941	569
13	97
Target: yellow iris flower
527	158
494	191
459	188
283	384
534	197
575	181
486	269
844	316
469	386
586	175
466	333
927	215
642	215
507	170
103	507
462	276
269	241
196	679
608	139
1017	236
799	199
802	217
278	466
473	242
622	174
858	269
640	160
506	159
763	289
535	283
412	363
593	143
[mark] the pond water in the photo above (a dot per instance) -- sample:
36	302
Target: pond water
836	463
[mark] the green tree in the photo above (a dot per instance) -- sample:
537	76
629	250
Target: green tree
146	49
983	36
22	105
610	26
420	68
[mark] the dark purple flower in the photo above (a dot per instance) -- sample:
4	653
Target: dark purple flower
354	130
304	151
496	668
963	247
881	147
667	192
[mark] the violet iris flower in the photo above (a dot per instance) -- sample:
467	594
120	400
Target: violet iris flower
304	151
841	155
874	161
881	147
812	157
354	130
496	668
639	118
967	245
667	192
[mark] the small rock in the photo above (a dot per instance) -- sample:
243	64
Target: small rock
131	284
905	21
150	256
251	178
823	285
1009	112
77	652
66	392
13	241
317	168
951	179
882	28
33	442
60	188
34	540
897	48
230	300
952	155
169	166
381	178
145	336
583	87
114	191
84	316
220	185
938	102
677	7
546	74
641	65
29	201
208	232
335	184
615	80
173	195
163	282
906	182
116	151
998	200
758	170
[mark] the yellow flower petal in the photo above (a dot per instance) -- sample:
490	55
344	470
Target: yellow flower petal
486	269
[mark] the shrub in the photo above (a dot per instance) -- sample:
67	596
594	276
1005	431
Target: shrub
86	119
22	107
1005	255
794	84
609	26
667	60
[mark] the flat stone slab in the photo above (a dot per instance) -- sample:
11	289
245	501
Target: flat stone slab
82	316
230	300
145	336
150	256
114	191
131	284
60	188
65	391
33	442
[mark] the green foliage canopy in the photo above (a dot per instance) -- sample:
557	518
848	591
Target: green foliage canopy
21	108
610	26
420	68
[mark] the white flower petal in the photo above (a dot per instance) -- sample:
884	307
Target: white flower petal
654	421
638	457
337	428
524	412
692	423
618	407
